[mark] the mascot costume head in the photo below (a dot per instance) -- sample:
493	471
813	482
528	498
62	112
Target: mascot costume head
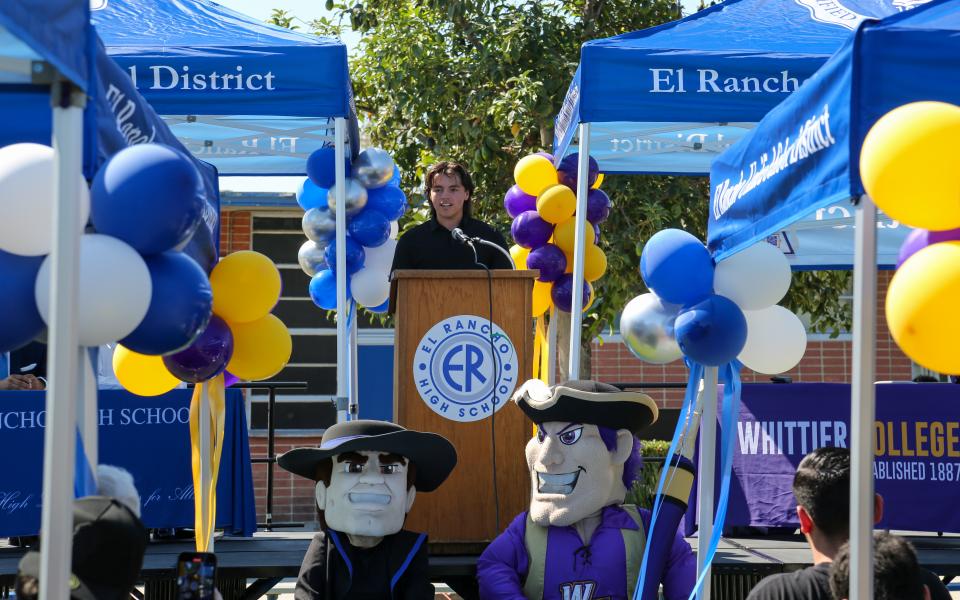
584	455
368	473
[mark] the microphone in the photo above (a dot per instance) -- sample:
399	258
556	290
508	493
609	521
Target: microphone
460	236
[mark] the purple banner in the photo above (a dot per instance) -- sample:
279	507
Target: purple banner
916	438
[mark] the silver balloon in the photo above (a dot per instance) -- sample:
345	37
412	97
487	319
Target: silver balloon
373	168
319	224
646	326
311	257
356	197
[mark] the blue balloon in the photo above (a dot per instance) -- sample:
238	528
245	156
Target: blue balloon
369	227
20	321
712	331
323	289
355	255
379	309
677	267
310	196
149	196
180	306
321	167
388	200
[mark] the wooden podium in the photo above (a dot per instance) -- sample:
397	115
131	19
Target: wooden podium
443	378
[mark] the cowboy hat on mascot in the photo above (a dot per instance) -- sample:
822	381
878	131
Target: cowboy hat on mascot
367	475
579	539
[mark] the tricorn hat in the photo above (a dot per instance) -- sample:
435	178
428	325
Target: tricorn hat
433	454
584	401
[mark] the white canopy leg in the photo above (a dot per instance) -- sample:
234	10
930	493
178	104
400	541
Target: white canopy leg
576	314
863	393
343	339
59	440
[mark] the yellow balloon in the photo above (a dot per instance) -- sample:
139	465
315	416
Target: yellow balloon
564	232
261	348
922	305
541	297
246	287
910	166
556	204
519	255
142	374
594	263
596	184
534	173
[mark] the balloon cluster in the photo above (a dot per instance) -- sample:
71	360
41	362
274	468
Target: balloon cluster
911	169
374	202
542	204
136	286
713	314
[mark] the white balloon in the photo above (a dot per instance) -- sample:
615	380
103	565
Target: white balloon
381	256
370	287
776	340
755	278
114	294
28	194
394	229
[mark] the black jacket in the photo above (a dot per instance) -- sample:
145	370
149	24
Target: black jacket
395	568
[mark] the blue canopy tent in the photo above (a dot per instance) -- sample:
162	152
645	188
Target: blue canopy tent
250	98
805	155
45	51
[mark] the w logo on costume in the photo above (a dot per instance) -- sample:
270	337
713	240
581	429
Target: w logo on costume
579	590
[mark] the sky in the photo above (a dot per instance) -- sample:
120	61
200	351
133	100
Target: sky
306	11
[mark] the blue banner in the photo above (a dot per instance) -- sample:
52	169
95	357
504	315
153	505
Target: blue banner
58	31
150	437
916	439
805	154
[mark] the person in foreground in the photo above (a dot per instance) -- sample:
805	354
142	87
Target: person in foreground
367	475
822	489
582	460
430	245
109	542
896	573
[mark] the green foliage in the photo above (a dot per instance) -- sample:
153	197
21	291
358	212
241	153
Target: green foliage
645	487
480	81
282	18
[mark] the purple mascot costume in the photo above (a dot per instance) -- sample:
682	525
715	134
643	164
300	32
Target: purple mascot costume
579	539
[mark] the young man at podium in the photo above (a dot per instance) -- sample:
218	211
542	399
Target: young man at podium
444	242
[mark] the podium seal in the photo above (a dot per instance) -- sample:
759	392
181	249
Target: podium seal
460	373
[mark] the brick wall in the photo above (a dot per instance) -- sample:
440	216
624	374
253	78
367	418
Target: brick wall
235	232
293	496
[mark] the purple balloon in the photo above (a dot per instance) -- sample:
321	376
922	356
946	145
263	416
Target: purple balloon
567	170
562	292
516	202
596	234
229	379
206	357
598	206
530	231
550	260
921	238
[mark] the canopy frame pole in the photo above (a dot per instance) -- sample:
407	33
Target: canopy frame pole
206	465
343	338
354	408
87	418
552	334
863	393
59	439
707	469
576	303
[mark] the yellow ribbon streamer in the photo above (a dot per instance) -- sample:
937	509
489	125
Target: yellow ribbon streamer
205	500
538	342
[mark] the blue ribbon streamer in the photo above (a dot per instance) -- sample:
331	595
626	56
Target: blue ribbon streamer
730	410
689	402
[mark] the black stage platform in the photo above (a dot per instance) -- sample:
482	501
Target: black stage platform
249	567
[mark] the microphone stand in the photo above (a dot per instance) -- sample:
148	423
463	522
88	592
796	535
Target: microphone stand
499	249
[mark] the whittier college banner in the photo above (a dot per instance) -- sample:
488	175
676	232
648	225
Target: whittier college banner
916	439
